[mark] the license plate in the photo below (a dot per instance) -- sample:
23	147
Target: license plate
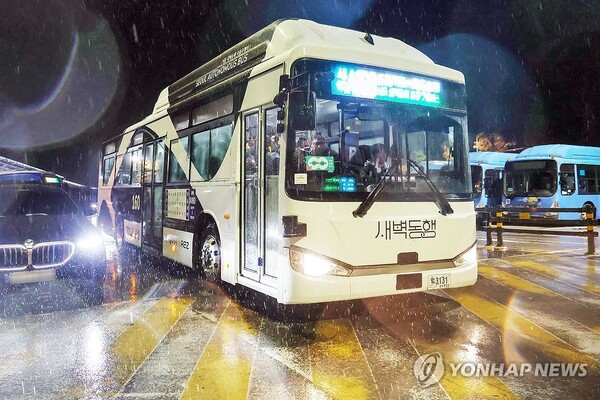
32	276
439	281
524	216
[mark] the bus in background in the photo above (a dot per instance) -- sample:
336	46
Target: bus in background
553	176
487	170
84	196
309	163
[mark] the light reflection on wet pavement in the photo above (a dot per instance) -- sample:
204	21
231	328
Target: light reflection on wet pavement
163	333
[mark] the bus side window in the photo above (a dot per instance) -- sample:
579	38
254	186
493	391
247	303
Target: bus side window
107	166
272	147
200	152
124	174
220	139
250	134
136	166
588	176
176	171
159	163
209	148
148	169
567	179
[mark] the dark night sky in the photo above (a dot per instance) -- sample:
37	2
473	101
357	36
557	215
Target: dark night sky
76	72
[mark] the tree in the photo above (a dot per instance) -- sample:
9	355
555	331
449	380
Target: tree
493	142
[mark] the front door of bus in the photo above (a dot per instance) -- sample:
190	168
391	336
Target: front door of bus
252	257
154	156
260	202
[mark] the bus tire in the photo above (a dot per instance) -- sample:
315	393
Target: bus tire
209	254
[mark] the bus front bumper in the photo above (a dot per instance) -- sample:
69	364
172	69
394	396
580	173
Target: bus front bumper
304	289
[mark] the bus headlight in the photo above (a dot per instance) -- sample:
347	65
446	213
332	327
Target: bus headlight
314	265
466	258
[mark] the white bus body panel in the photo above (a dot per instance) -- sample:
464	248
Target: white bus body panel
333	232
177	246
132	232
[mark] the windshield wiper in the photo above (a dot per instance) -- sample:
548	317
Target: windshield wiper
366	204
439	199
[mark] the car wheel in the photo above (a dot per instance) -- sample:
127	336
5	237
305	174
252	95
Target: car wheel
209	255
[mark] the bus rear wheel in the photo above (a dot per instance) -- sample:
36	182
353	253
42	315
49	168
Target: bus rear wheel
209	257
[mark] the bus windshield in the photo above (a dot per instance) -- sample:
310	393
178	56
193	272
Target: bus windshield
354	144
477	179
530	178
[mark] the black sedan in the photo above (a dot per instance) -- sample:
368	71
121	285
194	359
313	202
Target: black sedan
44	236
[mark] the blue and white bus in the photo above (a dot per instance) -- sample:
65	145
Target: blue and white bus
553	176
487	170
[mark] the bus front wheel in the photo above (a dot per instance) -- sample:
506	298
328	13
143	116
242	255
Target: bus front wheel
209	257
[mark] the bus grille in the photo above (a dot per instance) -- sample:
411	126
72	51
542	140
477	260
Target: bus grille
52	254
13	257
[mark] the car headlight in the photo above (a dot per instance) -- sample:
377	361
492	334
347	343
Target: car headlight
314	265
90	242
466	258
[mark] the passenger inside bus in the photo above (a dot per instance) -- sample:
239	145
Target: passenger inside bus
251	154
380	155
300	153
272	155
319	147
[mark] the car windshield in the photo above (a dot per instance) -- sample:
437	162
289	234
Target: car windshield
35	201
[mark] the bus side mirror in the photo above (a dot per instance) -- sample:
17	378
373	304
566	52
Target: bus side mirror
284	88
281	121
302	106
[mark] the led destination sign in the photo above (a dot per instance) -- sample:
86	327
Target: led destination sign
385	85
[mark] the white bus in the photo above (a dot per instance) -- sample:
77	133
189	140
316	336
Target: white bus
222	177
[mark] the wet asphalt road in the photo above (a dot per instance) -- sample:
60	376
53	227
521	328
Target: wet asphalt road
164	334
